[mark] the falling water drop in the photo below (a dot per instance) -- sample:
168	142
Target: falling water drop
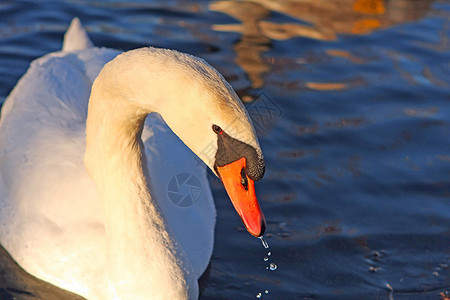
273	267
263	241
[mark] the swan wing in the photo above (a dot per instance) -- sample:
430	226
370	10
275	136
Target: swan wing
50	216
76	37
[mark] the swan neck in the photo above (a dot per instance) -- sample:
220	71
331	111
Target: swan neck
139	241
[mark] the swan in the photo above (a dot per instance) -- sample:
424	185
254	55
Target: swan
89	141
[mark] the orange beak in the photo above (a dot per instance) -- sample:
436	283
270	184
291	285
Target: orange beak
241	191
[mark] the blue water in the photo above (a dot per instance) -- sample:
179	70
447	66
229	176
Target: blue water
351	99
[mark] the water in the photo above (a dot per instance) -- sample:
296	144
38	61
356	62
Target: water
272	266
264	242
356	190
259	295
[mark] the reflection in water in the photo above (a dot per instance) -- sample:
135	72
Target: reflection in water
347	55
253	42
326	86
315	19
15	283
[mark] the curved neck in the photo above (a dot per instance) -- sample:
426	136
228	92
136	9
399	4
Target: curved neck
139	242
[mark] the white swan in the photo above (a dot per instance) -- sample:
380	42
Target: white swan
114	234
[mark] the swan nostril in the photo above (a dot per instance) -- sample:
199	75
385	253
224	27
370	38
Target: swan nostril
244	180
217	129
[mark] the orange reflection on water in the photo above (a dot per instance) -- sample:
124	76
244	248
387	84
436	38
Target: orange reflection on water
345	54
316	19
253	42
370	7
326	86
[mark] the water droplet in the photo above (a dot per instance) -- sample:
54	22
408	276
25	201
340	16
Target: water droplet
263	241
266	291
374	269
259	295
273	267
269	253
266	258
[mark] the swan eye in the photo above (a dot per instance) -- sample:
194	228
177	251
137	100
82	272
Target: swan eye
244	180
217	129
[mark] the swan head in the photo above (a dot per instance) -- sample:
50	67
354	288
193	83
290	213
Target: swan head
203	110
212	121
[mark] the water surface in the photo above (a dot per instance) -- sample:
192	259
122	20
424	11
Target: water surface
351	101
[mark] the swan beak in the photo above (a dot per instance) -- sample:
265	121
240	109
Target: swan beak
241	191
